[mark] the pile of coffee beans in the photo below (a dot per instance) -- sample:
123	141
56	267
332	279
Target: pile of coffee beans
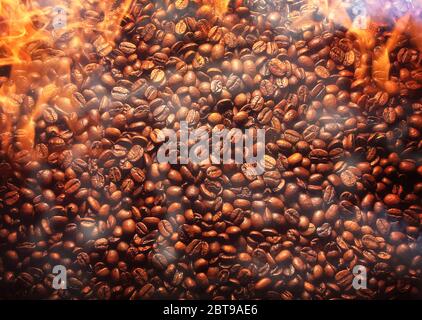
341	189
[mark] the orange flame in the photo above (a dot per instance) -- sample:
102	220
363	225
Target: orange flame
221	7
17	30
381	63
365	34
28	43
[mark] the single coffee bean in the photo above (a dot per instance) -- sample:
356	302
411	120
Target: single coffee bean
165	228
72	186
348	178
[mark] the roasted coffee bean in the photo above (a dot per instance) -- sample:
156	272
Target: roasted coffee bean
344	278
120	93
322	72
277	67
159	261
127	47
292	216
216	87
158	76
265	116
140	276
50	115
348	178
338	184
137	174
214	172
324	230
147	291
72	186
165	228
257	103
11	198
267	88
135	153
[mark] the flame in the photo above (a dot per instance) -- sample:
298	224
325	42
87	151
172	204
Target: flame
17	30
116	11
221	7
381	63
41	41
42	56
364	28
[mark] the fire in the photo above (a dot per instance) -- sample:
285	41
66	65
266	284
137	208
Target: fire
221	7
42	41
381	63
18	29
371	16
31	43
115	12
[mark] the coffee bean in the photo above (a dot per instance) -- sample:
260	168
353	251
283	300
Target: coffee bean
147	291
217	52
11	198
324	231
165	228
306	62
348	178
158	76
214	172
233	231
216	87
159	261
82	186
344	278
257	103
337	55
263	284
267	88
104	292
292	216
322	72
369	242
129	226
72	186
383	226
140	276
135	153
50	115
265	116
295	159
240	118
259	47
127	47
277	67
181	4
137	174
283	256
181	27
